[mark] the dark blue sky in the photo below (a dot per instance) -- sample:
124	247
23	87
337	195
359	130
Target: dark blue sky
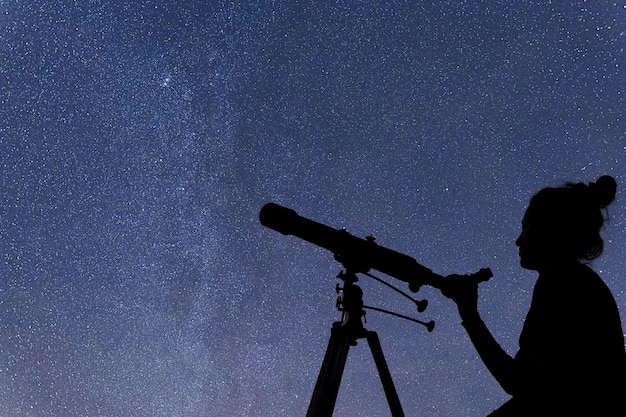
138	143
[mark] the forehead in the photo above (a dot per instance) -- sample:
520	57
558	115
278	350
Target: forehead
528	215
545	210
535	212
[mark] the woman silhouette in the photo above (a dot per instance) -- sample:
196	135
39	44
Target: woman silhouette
571	359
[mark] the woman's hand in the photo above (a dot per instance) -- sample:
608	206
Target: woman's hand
463	290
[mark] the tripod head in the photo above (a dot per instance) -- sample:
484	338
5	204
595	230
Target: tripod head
350	303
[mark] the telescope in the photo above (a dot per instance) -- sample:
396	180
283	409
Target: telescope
356	254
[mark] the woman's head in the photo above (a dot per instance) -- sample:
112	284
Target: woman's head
565	222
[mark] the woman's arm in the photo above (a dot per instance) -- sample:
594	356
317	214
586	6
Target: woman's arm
500	364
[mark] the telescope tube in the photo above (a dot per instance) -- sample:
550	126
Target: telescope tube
359	255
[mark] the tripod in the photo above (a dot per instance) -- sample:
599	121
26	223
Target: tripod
343	335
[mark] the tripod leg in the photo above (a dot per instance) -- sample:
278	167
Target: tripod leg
385	375
327	386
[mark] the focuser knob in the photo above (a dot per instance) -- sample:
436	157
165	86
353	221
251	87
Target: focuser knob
430	326
338	304
414	286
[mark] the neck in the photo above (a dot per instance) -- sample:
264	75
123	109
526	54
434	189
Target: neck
557	264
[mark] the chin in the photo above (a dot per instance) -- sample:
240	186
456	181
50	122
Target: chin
524	263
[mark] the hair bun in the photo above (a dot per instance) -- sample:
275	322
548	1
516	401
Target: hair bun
603	190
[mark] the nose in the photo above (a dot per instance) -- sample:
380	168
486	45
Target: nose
518	242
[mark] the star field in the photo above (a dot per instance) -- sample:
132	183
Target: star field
138	143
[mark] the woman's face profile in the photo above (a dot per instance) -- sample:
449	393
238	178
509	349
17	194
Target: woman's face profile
528	244
541	243
535	247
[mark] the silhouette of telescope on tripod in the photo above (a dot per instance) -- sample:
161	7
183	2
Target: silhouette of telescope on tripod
356	254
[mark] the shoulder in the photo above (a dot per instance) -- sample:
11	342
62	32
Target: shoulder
588	283
570	277
573	286
579	290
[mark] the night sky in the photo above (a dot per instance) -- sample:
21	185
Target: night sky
139	140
